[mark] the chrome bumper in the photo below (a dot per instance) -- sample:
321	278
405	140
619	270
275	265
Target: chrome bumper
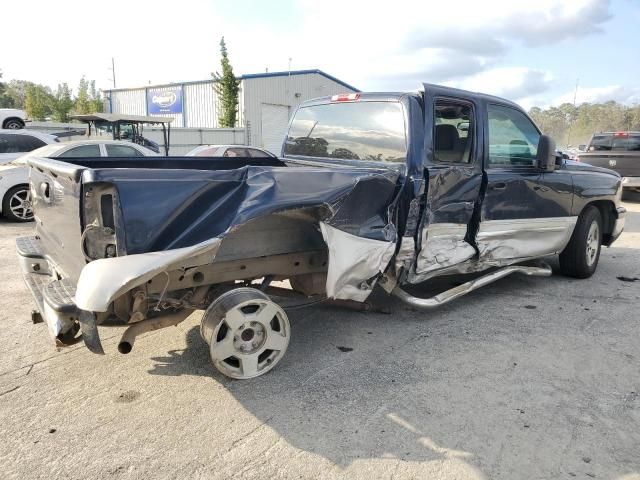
630	182
53	297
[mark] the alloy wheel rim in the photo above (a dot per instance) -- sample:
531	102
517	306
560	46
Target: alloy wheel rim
251	339
593	243
20	205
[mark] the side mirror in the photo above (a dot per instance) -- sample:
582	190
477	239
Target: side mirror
546	156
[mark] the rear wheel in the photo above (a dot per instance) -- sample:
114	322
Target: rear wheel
580	257
247	333
13	124
16	204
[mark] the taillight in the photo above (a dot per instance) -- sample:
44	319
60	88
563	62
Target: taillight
621	134
345	97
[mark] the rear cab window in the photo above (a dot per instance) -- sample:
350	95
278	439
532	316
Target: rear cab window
362	130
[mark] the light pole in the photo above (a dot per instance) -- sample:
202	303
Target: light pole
575	94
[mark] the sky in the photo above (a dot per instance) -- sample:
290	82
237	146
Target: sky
529	51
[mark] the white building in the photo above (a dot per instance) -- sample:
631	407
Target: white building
266	102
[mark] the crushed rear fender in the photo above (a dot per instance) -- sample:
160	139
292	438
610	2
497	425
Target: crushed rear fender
178	219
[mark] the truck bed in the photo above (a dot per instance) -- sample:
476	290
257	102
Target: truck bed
93	206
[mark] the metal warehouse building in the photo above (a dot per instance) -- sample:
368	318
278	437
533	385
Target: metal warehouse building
266	101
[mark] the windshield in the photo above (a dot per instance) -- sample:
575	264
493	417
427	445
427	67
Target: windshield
615	141
370	131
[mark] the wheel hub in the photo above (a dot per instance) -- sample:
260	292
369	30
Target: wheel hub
249	338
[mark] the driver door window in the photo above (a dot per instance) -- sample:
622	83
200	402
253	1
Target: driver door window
513	138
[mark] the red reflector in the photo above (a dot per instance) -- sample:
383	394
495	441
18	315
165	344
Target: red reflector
345	97
621	134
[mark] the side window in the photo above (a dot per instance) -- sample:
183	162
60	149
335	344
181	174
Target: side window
258	153
19	143
27	143
513	138
82	151
453	132
236	152
122	151
7	145
208	152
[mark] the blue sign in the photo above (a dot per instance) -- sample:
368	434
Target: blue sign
164	100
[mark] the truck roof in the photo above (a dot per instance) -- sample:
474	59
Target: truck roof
395	96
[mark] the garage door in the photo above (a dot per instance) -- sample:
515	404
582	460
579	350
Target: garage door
275	119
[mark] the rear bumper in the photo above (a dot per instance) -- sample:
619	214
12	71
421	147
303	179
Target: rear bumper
53	297
630	182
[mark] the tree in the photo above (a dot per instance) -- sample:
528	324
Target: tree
16	93
584	120
95	98
227	88
38	101
62	103
83	103
4	101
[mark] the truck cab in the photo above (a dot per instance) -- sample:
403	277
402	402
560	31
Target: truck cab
485	187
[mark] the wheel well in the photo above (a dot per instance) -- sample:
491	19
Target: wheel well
608	213
9	189
7	120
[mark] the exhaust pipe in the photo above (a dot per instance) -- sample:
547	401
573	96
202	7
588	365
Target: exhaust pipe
543	270
129	336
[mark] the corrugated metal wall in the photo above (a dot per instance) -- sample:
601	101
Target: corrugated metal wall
289	91
200	105
185	139
200	102
129	102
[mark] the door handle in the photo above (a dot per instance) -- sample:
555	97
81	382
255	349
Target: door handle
498	186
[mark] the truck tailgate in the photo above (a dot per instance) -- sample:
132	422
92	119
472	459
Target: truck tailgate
56	189
627	164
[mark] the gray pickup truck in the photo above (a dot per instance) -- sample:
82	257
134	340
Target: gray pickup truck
619	151
376	190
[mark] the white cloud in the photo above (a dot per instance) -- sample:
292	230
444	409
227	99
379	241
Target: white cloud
618	93
436	41
372	45
514	83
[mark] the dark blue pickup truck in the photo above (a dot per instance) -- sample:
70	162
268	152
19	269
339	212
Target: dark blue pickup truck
371	190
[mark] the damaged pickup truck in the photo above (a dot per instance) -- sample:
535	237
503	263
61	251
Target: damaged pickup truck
375	189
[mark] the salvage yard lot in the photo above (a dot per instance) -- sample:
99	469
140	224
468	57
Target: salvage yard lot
525	378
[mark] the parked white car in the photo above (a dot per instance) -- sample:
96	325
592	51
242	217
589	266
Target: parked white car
229	151
14	176
15	143
12	118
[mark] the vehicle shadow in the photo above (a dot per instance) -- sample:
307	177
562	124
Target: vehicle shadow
373	386
327	399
